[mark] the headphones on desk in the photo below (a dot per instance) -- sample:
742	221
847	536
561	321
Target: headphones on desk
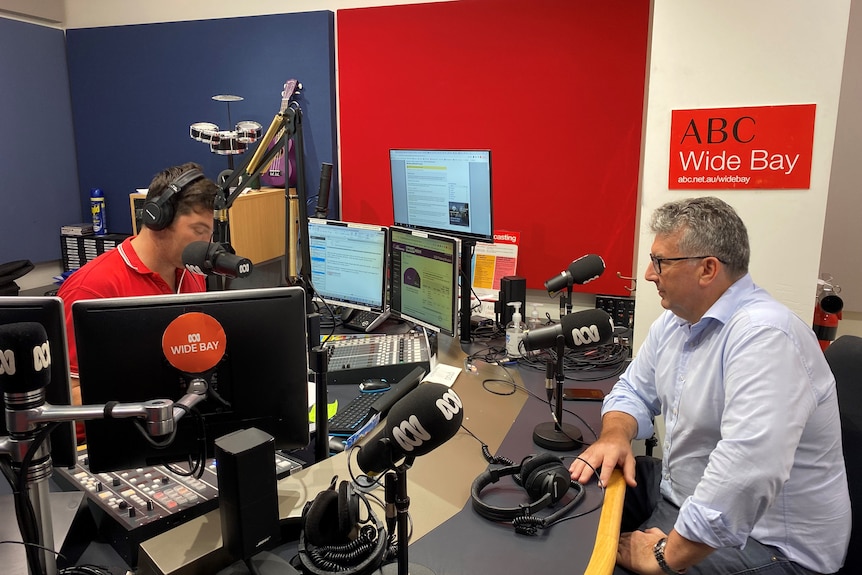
335	538
158	213
545	479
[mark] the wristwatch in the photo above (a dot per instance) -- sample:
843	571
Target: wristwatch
658	551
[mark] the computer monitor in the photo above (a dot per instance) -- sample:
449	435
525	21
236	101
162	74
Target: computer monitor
137	349
47	311
424	278
444	191
348	263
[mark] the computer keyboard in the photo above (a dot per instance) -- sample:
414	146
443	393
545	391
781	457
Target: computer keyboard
350	418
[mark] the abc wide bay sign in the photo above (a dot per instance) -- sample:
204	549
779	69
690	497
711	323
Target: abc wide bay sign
742	148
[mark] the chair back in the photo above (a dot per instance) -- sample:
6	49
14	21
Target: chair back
844	356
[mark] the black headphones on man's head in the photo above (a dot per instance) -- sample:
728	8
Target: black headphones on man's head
158	213
545	479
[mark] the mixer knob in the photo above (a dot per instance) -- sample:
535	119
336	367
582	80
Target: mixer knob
150	505
132	512
123	504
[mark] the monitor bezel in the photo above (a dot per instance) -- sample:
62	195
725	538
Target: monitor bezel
280	410
469	236
47	311
384	283
456	265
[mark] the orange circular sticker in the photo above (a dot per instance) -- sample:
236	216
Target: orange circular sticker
194	342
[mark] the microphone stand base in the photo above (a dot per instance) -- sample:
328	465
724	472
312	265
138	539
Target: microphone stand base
412	569
547	435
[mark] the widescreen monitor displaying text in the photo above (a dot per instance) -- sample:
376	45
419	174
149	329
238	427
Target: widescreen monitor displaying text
129	350
348	263
446	191
424	278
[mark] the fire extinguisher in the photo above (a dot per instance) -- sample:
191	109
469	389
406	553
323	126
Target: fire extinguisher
827	311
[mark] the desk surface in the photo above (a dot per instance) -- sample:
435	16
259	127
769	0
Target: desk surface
448	536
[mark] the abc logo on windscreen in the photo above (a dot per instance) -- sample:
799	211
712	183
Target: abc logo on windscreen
410	434
586	335
41	359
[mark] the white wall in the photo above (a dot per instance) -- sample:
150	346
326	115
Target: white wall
93	13
707	54
48	12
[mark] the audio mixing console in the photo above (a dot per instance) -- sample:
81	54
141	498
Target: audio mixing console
134	505
377	356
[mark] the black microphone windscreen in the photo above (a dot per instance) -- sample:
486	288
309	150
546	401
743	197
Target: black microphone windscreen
25	357
586	268
587	328
323	191
196	257
418	423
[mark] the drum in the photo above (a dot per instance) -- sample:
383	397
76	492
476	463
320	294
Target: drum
248	132
226	143
203	131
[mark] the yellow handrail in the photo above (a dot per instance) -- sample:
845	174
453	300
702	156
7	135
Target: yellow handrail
604	555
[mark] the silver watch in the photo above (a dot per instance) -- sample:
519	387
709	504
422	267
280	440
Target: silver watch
658	551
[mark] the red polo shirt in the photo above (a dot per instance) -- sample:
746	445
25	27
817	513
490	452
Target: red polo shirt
117	273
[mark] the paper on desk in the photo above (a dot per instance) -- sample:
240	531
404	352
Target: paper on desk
442	373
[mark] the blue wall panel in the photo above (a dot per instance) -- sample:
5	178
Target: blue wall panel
38	177
136	89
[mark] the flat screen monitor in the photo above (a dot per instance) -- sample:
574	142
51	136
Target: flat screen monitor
424	278
348	263
47	311
445	191
249	345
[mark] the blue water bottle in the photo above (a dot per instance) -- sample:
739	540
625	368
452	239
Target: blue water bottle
97	208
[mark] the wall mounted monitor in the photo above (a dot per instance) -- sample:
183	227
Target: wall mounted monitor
129	350
47	311
424	278
445	191
349	263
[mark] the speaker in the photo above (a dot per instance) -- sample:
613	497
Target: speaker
247	492
512	288
335	538
545	479
158	213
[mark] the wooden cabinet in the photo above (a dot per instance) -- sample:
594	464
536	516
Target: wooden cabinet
256	223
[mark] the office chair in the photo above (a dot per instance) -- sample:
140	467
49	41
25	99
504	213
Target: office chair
844	356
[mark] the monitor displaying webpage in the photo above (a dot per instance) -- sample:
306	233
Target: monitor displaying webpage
424	279
443	190
348	263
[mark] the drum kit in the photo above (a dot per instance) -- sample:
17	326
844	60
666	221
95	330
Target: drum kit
226	142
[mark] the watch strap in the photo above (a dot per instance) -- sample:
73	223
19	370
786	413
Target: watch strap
658	551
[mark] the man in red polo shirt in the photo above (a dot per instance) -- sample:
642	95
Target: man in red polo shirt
179	211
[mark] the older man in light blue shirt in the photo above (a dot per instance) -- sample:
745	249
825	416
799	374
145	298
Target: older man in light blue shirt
753	471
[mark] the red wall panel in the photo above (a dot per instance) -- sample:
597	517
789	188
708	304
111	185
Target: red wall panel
554	88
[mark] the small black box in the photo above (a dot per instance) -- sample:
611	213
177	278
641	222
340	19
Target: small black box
248	495
512	288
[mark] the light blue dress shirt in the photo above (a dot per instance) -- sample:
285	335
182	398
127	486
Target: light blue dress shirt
753	441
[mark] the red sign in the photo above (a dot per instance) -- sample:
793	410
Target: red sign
194	342
742	148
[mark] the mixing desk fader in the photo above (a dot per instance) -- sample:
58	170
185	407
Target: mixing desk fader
384	356
133	505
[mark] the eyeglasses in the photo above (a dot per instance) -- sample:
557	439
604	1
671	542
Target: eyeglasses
656	262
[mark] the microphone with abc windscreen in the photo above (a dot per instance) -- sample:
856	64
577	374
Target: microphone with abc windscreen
25	360
205	258
418	423
581	330
581	271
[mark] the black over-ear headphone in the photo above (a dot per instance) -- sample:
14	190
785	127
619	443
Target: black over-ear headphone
335	539
158	213
545	479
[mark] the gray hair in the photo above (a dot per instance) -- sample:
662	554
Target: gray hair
710	227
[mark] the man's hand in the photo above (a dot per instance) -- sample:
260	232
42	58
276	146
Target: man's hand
635	551
613	449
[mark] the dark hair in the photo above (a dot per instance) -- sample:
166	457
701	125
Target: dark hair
197	196
709	226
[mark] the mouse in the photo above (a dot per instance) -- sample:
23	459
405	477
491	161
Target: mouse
374	385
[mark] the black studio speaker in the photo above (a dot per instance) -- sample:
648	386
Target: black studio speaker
248	495
512	288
